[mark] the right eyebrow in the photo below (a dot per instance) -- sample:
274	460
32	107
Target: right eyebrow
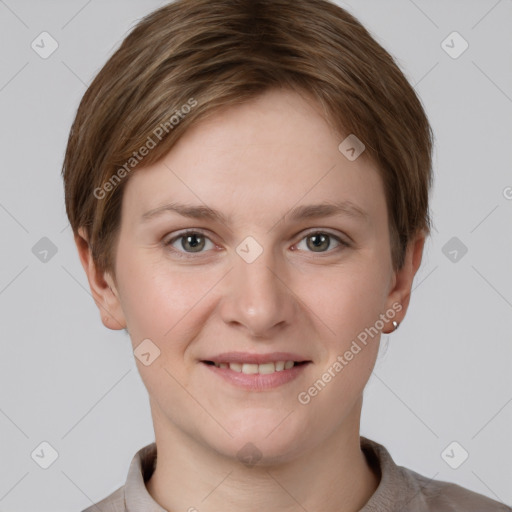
186	210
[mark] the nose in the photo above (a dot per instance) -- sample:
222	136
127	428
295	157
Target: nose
258	297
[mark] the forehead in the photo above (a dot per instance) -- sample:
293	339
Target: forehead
267	155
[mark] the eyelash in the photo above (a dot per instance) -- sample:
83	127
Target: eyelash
181	254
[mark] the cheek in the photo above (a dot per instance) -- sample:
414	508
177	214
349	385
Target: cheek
162	302
163	307
347	299
347	314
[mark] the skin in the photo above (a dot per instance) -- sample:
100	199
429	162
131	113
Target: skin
254	163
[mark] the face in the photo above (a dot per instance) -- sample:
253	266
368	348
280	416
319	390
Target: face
267	278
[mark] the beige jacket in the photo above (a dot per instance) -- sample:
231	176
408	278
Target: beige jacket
400	489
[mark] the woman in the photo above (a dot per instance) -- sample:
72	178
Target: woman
248	185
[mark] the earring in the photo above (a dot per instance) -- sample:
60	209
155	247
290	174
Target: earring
395	324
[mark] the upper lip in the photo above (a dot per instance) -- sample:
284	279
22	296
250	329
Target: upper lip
250	358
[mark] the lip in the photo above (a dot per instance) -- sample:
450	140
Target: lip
251	358
256	381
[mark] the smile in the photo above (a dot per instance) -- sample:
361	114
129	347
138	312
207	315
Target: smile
256	377
263	369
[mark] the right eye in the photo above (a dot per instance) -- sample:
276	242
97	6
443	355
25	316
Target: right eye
192	242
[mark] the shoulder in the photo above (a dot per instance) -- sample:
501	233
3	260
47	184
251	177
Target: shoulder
403	490
112	503
442	496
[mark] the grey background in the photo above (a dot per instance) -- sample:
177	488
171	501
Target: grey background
444	376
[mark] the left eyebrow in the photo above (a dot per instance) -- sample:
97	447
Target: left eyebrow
298	213
326	209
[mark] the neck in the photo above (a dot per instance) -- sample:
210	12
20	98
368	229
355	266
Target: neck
333	476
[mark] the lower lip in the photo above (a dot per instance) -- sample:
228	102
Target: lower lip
257	381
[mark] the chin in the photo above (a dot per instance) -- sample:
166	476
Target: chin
263	438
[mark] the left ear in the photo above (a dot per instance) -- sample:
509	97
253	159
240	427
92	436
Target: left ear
401	290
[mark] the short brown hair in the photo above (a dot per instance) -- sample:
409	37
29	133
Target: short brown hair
212	54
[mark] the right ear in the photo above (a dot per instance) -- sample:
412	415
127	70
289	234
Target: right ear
102	286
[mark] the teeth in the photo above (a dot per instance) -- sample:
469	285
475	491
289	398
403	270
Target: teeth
263	369
236	367
266	368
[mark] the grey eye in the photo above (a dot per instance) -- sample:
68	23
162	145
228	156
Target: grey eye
191	242
319	241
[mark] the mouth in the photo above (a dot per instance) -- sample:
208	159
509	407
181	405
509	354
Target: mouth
254	368
255	373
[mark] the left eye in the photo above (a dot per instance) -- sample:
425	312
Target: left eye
321	240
